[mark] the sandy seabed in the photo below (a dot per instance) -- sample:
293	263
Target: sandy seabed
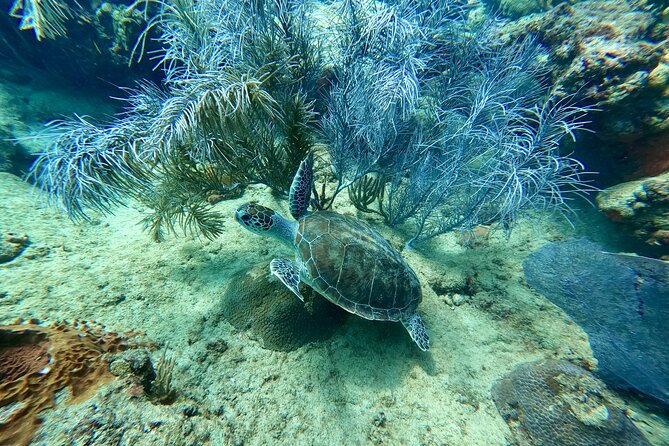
367	384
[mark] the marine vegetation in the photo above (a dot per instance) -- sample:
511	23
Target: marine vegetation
161	389
47	18
418	111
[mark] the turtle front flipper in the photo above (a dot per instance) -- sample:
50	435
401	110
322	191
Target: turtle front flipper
416	328
286	271
300	189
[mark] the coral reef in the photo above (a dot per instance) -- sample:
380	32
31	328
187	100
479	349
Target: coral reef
256	301
12	245
612	54
621	301
642	206
555	403
37	361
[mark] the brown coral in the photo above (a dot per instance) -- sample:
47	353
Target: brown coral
555	403
256	301
36	361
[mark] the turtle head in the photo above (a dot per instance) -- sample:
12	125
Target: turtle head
265	221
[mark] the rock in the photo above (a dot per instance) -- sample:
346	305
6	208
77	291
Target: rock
14	157
119	368
621	301
458	299
610	54
139	363
12	246
659	77
642	206
100	38
555	403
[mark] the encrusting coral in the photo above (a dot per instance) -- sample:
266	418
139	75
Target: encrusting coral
37	361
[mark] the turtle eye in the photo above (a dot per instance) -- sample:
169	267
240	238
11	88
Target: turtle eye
245	217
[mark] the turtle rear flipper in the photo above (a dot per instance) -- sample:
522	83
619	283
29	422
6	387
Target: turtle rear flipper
300	189
416	328
285	270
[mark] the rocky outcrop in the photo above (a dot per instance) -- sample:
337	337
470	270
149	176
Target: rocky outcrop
611	55
642	205
91	47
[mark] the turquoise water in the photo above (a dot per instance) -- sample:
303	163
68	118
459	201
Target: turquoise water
489	176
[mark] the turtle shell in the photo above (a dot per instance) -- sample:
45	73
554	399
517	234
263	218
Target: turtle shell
354	267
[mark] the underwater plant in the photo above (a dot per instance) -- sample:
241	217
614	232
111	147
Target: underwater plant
161	390
45	17
442	126
423	116
87	166
237	99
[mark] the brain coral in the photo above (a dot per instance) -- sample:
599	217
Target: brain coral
555	403
256	301
36	361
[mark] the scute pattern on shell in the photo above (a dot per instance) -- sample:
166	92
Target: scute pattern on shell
356	268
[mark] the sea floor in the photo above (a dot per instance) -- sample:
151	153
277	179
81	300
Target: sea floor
367	384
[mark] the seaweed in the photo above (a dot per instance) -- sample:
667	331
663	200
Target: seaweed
180	199
238	94
423	116
470	135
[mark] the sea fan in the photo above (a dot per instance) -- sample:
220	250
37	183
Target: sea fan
86	166
428	119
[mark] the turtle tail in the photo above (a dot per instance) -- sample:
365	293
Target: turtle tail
416	328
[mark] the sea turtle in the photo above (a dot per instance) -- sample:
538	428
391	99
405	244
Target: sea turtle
341	258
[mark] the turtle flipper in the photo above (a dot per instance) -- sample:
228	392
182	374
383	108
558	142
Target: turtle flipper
285	270
416	328
300	189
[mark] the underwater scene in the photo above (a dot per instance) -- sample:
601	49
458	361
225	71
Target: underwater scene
334	222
